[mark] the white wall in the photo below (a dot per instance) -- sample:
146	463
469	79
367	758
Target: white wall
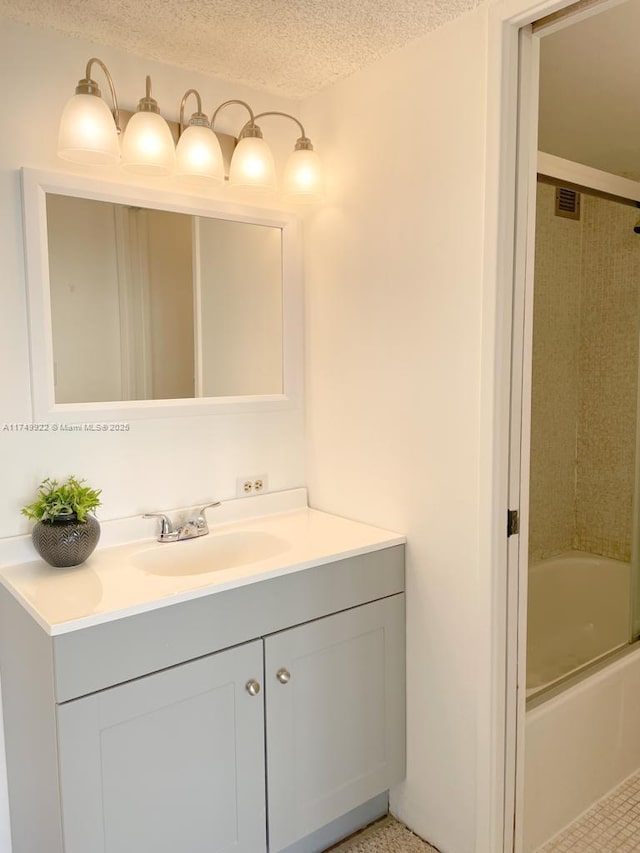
393	276
393	269
158	464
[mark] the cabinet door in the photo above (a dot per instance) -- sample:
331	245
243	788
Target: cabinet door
335	702
170	762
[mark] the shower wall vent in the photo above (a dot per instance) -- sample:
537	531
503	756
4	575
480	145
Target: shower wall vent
567	203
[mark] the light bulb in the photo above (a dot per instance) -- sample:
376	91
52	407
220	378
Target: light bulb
252	164
199	155
88	133
303	175
147	147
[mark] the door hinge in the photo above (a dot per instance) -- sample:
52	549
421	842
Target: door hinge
513	522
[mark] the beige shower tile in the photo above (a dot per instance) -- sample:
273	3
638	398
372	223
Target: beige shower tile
584	384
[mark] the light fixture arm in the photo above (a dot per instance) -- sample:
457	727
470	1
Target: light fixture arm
198	118
87	86
250	128
284	115
303	143
148	104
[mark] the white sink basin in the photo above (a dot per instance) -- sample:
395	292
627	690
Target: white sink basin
211	553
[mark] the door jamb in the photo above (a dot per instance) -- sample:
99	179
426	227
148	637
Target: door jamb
499	764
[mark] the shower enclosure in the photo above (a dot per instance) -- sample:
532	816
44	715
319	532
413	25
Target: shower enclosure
583	532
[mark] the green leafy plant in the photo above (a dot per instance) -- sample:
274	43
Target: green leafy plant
62	499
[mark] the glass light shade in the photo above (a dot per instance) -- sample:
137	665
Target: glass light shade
198	154
88	133
252	165
147	147
303	175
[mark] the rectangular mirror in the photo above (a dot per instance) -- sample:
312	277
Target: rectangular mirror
177	306
142	302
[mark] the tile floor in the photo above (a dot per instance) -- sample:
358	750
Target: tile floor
386	836
611	826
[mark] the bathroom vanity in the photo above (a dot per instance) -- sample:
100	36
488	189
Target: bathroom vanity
250	698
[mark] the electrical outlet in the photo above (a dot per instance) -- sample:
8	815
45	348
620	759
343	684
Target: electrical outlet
255	484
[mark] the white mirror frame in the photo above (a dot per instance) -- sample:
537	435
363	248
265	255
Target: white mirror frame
35	186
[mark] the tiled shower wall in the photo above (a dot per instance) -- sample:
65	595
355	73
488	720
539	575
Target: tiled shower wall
554	403
608	377
584	385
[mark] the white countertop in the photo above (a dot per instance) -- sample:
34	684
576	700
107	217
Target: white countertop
115	581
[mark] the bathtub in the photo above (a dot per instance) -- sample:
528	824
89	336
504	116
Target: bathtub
578	610
585	739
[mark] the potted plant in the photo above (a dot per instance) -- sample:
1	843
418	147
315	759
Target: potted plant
65	533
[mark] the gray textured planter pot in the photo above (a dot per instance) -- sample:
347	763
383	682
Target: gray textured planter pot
66	541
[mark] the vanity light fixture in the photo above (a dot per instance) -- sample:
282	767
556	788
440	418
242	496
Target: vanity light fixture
89	134
303	170
147	145
252	162
198	153
88	129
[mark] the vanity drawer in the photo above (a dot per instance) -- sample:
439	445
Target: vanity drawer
101	656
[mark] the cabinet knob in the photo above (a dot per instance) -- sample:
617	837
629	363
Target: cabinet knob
283	676
252	687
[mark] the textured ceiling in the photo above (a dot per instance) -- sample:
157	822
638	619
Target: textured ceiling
289	47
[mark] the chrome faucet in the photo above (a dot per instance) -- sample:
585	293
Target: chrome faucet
189	529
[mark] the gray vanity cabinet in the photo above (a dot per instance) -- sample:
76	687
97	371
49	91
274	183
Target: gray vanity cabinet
173	761
147	734
335	716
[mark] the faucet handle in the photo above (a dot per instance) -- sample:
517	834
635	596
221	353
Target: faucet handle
199	520
166	528
200	512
